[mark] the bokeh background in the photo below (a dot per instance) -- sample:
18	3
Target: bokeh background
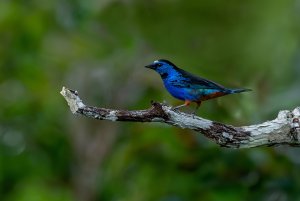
99	47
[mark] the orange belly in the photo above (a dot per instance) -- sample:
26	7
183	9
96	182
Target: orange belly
213	95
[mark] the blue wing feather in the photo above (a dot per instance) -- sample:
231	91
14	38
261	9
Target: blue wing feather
191	81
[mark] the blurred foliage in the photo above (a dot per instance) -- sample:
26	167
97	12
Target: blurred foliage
100	48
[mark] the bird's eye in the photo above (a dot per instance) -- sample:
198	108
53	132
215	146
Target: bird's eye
159	64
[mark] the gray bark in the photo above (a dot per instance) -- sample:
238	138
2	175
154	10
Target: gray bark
285	129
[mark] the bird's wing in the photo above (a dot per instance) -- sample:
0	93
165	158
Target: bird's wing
198	82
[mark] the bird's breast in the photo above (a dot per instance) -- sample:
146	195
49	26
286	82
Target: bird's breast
181	90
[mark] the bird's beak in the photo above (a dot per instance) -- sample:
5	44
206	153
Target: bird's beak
151	66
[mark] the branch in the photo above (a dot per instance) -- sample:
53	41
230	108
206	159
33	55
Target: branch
285	129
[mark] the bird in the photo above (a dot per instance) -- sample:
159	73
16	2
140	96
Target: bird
188	87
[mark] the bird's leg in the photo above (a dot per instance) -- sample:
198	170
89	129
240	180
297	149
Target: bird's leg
186	103
198	105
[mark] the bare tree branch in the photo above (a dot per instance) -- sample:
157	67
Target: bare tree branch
285	129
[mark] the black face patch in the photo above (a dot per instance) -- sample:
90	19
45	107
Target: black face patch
164	75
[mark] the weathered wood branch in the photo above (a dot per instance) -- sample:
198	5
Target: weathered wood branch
285	129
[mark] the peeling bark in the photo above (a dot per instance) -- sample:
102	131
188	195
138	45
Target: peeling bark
285	129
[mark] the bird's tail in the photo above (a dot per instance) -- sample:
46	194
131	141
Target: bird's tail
235	91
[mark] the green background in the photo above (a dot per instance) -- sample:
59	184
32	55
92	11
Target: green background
100	48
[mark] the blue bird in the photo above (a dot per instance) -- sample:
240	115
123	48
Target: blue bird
188	87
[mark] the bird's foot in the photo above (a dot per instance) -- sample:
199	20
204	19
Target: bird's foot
186	103
193	114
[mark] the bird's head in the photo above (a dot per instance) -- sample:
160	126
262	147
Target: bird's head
163	67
